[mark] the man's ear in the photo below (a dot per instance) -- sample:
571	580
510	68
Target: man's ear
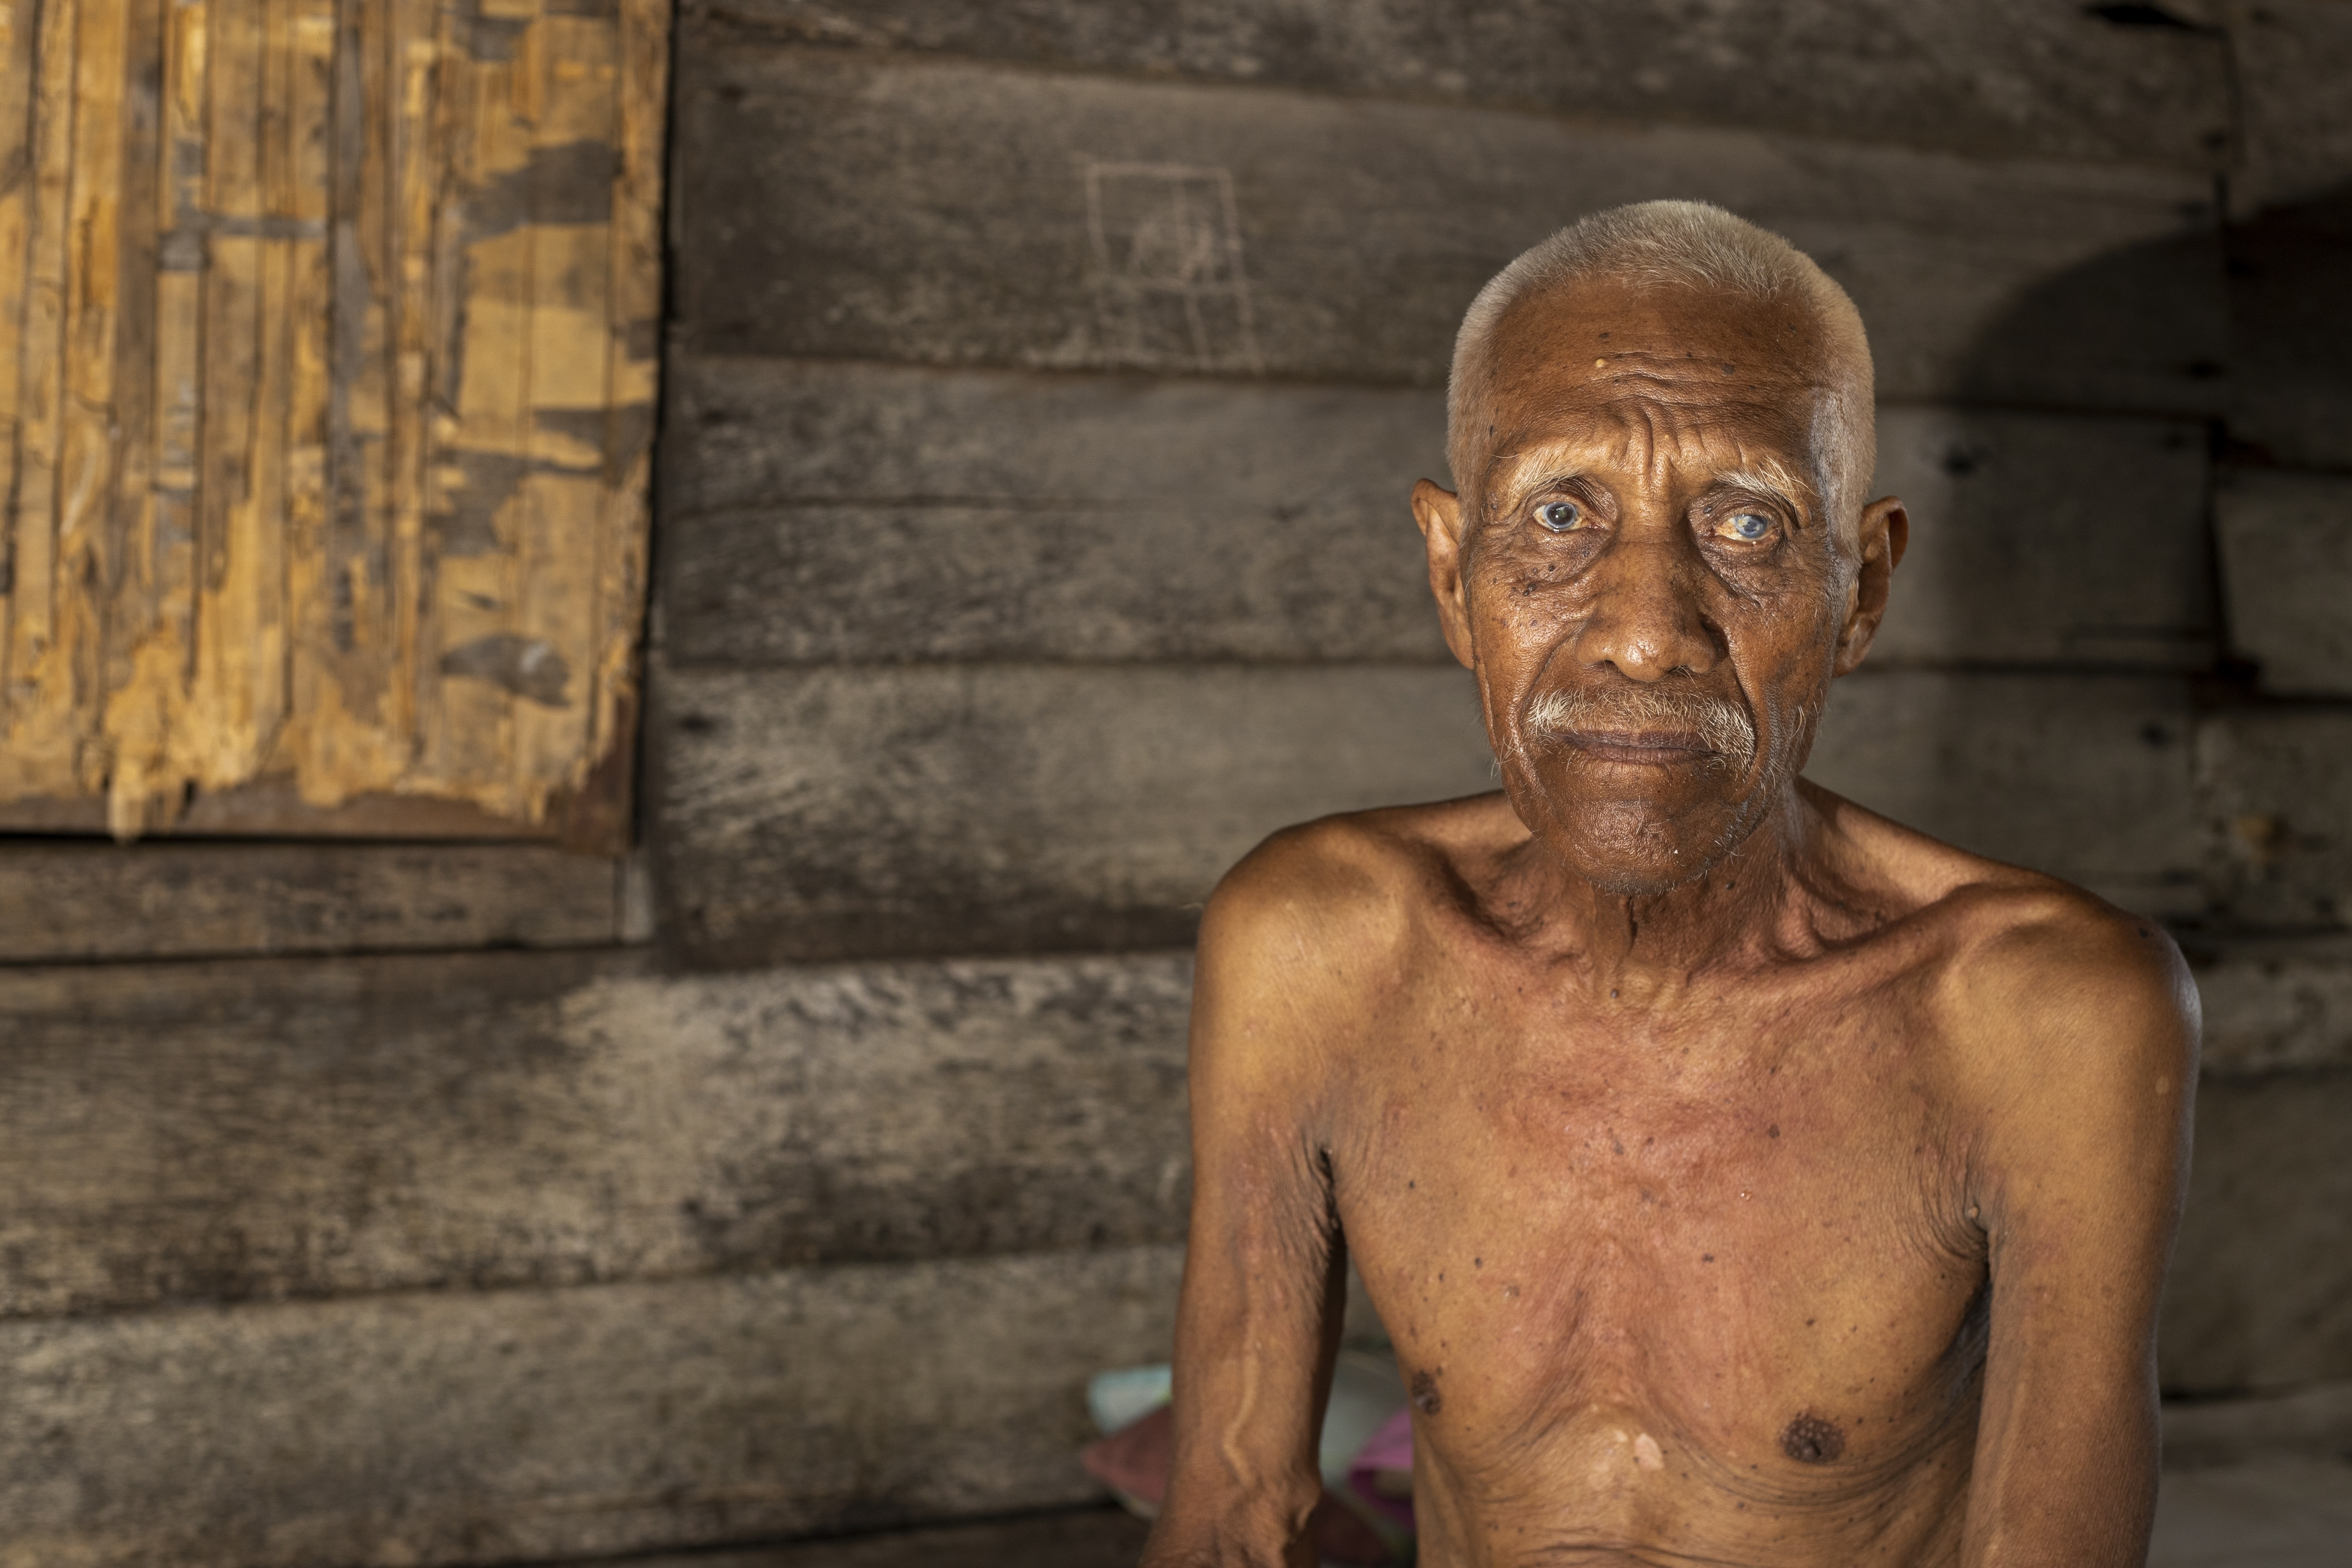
1438	512
1885	531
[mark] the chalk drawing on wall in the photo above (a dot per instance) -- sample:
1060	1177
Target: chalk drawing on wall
1169	284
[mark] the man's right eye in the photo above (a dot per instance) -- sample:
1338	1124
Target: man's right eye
1559	516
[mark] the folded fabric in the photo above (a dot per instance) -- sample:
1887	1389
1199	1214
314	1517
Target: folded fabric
1381	1472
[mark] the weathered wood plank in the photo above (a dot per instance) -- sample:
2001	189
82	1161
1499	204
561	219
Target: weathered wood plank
2291	59
2084	777
2291	333
1100	1537
2070	84
2261	1290
2290	320
2271	789
948	213
830	512
864	513
2286	570
275	1128
2276	1007
84	901
217	561
517	1426
2047	539
835	811
832	812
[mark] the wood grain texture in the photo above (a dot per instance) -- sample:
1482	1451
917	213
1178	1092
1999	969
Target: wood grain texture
2291	324
265	1130
2084	777
2047	540
956	213
1991	76
1099	1537
259	239
844	812
2291	60
821	512
2260	1296
78	902
832	512
2285	542
2277	817
2276	1007
525	1424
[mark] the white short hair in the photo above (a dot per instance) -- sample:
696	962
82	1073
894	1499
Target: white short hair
1692	245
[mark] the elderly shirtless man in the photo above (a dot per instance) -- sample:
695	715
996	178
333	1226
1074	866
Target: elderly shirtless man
1744	1178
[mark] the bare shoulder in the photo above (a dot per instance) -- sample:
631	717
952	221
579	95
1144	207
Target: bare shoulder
1308	932
1356	878
2053	1007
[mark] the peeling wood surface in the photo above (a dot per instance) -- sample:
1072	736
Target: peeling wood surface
522	1426
255	1130
326	383
82	902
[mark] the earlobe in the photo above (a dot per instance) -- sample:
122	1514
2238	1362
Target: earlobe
1885	534
1438	511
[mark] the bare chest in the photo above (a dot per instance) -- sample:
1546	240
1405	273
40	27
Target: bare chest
1727	1242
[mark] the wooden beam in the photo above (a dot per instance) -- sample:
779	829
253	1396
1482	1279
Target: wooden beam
2276	1007
2047	539
85	901
464	1427
824	512
2085	777
829	813
265	1130
2259	1297
949	213
2270	790
2286	568
828	512
2071	83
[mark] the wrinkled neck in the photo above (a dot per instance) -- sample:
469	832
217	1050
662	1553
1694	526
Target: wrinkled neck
1651	946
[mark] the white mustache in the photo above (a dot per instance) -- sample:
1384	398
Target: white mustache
1722	726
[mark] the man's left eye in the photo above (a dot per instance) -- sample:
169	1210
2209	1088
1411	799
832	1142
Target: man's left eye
1747	525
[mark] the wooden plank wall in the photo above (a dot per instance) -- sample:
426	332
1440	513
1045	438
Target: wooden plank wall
326	395
1044	384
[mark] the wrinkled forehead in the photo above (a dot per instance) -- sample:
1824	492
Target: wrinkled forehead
1661	377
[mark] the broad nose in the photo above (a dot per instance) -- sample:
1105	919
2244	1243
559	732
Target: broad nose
1645	620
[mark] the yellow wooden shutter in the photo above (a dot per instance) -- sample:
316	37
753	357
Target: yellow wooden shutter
327	367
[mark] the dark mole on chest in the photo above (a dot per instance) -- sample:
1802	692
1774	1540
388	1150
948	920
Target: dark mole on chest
1424	1393
1812	1439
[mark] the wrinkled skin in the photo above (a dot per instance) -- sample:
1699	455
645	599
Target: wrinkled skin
1745	1179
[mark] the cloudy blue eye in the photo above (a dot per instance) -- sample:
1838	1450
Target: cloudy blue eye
1559	516
1748	525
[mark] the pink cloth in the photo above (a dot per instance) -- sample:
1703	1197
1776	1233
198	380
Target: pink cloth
1389	1448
